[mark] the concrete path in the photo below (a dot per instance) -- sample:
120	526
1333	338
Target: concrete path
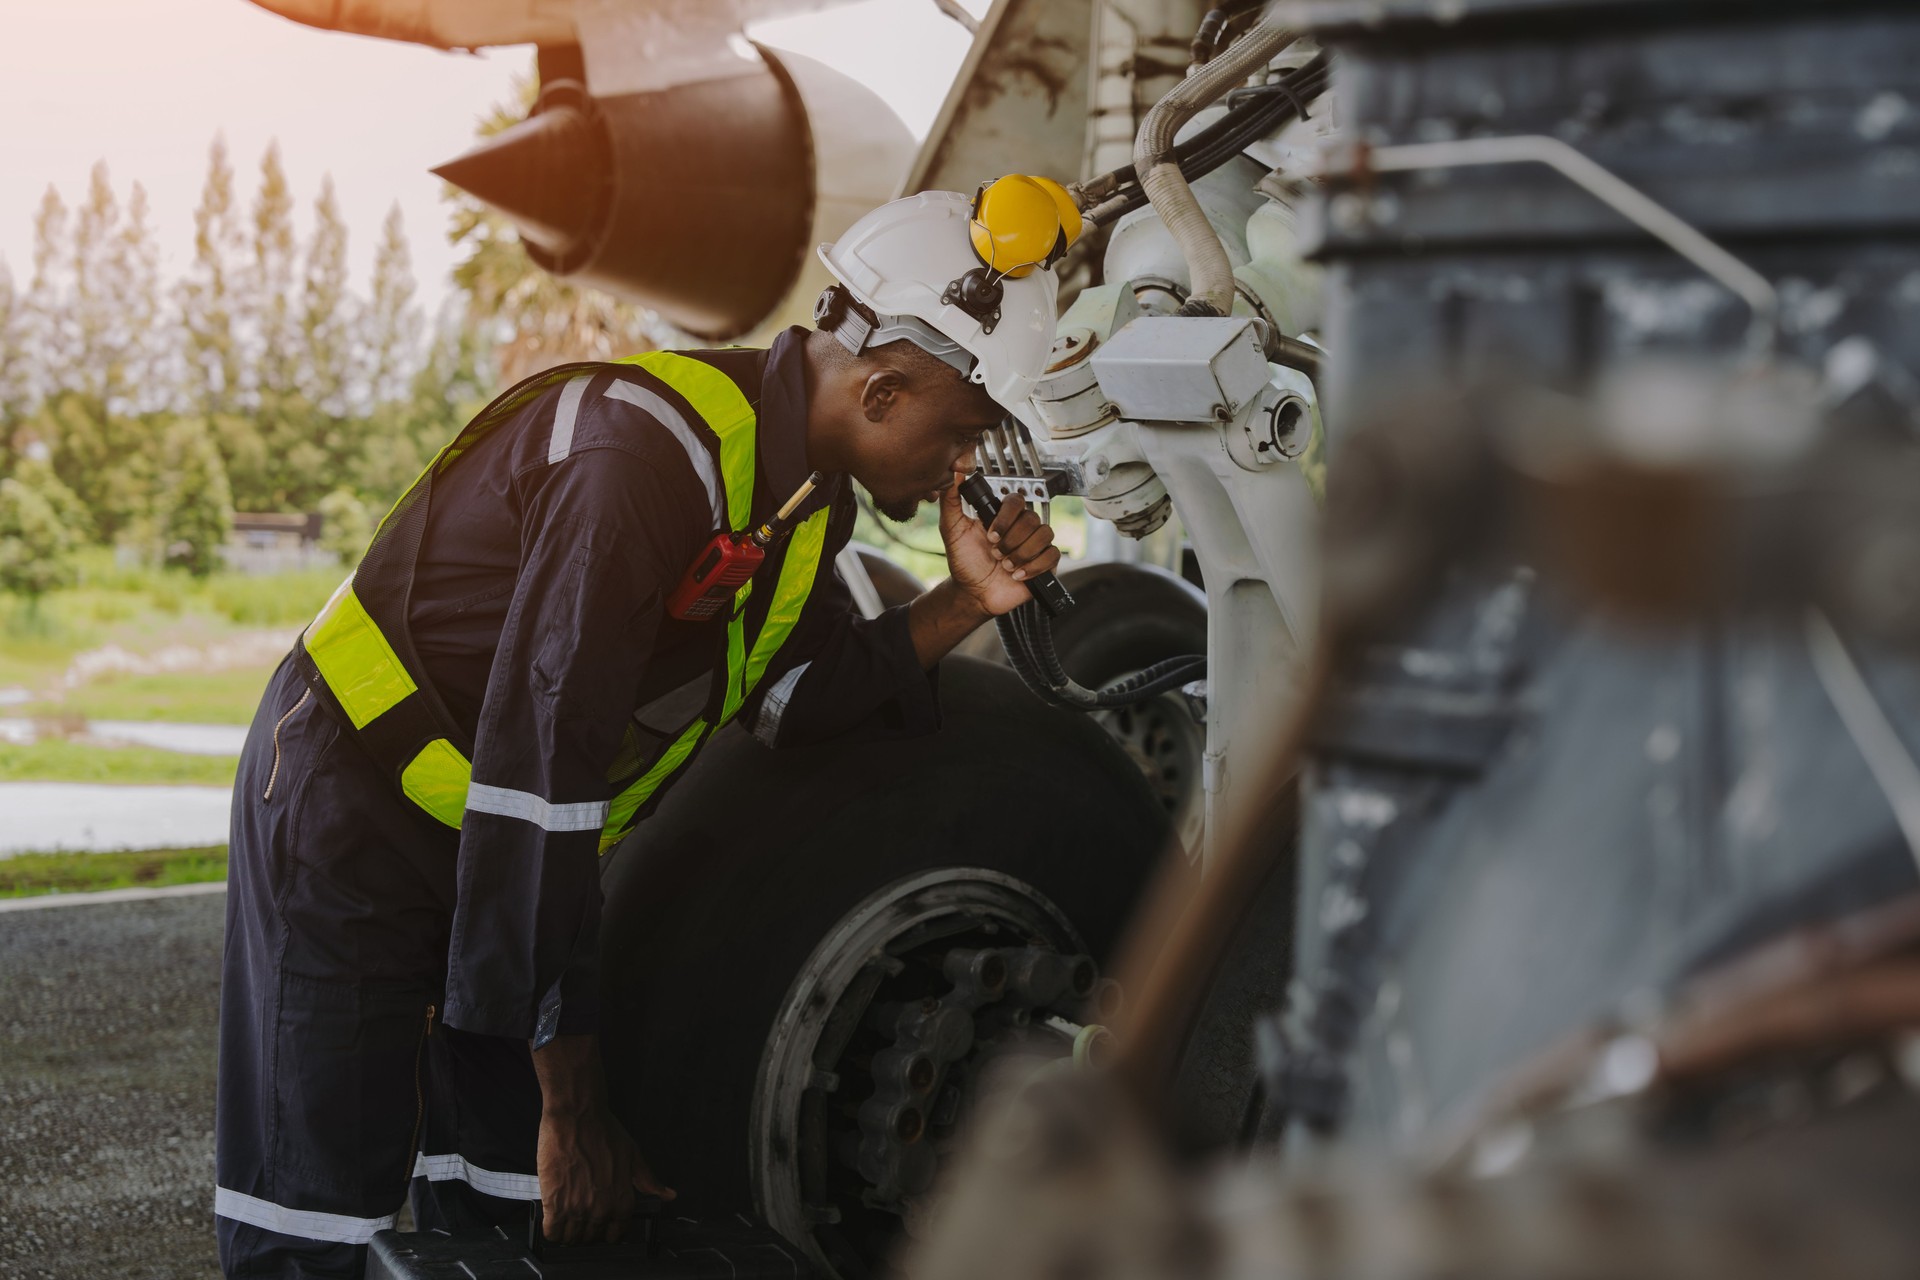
84	815
107	1018
193	739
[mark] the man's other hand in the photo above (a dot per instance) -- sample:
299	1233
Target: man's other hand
992	565
589	1168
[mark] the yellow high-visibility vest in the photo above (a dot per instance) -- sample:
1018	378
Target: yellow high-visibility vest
356	651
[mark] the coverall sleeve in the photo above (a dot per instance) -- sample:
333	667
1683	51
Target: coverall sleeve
849	676
606	532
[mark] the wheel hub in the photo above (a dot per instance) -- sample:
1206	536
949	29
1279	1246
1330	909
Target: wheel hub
877	1053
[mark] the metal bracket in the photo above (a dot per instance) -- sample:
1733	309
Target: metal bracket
1008	459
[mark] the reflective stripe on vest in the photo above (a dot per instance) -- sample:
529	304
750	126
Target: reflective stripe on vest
367	677
360	667
789	597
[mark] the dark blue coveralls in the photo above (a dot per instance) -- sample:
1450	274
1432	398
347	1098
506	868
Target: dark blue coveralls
384	974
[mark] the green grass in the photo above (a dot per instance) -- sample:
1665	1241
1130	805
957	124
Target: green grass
30	875
145	610
56	761
184	697
270	600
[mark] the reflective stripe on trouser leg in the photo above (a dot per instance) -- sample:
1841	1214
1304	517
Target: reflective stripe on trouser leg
303	1224
490	1182
483	1127
319	1041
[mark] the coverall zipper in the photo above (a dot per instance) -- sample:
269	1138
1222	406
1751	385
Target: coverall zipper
275	774
419	1098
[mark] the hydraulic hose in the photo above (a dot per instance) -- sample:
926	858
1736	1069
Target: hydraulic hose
1260	112
1208	267
1027	636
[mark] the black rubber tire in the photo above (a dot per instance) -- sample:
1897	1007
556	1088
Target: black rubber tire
716	902
895	584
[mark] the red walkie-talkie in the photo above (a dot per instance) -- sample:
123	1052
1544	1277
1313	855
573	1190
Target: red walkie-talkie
728	561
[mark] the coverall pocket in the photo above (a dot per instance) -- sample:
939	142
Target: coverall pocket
347	1099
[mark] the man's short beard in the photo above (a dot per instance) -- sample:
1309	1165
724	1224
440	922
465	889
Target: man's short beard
901	511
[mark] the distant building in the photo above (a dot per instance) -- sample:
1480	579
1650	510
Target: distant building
273	542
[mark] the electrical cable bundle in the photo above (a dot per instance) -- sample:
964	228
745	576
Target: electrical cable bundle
1027	635
1253	113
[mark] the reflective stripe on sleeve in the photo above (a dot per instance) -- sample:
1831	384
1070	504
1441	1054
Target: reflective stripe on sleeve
697	452
308	1224
564	416
767	727
586	816
453	1168
728	414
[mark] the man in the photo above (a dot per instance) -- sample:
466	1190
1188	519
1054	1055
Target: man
499	694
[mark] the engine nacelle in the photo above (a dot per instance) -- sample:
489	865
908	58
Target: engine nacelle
702	200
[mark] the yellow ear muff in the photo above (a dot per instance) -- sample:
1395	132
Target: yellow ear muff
1020	223
1070	225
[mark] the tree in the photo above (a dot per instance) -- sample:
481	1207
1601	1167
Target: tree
106	459
295	436
96	358
16	385
454	384
38	474
274	356
37	541
345	528
391	318
326	309
152	376
48	345
193	511
207	294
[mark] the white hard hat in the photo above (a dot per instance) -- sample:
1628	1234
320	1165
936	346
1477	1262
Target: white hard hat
905	262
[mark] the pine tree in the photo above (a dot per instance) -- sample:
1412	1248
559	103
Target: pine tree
48	342
274	356
208	294
391	318
16	384
326	311
152	373
106	331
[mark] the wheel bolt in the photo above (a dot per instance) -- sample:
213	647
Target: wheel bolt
909	1125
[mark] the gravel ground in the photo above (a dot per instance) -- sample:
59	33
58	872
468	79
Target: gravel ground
107	1018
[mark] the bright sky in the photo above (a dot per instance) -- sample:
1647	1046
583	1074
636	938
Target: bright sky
145	85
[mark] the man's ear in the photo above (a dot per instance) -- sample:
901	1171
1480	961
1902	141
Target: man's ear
880	393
